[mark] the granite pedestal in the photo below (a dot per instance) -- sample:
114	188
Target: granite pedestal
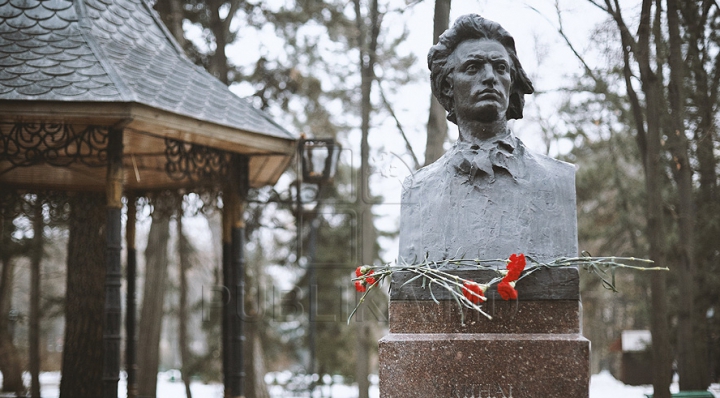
532	348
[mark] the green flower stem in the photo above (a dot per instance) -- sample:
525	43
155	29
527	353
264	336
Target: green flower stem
432	271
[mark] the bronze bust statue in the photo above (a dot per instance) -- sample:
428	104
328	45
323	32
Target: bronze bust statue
488	196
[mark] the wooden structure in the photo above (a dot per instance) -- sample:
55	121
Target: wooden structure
636	360
96	95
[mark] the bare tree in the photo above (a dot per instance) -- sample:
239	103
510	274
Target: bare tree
82	363
184	252
648	124
153	299
10	363
437	125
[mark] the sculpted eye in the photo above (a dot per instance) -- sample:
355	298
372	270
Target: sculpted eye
471	68
501	67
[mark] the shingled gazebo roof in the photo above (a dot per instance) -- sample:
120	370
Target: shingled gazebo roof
113	63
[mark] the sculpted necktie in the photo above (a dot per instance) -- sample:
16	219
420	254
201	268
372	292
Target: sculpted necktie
478	161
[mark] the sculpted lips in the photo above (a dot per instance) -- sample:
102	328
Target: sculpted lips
489	93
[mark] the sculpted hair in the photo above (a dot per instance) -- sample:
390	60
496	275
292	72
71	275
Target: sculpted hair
473	26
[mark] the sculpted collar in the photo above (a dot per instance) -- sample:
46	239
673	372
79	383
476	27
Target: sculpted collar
503	154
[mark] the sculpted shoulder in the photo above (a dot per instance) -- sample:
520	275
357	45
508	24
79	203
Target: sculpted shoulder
426	175
531	171
552	168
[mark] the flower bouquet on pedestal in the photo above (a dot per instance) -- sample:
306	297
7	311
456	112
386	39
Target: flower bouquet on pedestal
471	293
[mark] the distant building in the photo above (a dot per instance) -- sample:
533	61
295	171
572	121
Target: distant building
636	360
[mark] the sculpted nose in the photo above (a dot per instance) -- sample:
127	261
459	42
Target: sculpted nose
488	75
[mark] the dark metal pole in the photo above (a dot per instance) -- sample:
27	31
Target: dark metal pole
312	303
313	289
130	302
113	308
238	193
226	294
36	259
238	338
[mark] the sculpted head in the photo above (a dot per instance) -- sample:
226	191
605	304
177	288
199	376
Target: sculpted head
475	72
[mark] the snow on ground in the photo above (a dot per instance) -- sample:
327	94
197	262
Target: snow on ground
602	385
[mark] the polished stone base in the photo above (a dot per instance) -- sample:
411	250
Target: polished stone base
531	348
537	316
487	365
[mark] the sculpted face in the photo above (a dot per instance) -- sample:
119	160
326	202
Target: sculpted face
481	80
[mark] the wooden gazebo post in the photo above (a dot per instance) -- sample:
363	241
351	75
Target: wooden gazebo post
113	307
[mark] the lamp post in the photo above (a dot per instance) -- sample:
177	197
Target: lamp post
319	162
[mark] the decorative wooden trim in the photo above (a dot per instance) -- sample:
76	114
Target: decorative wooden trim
28	144
196	163
269	155
143	118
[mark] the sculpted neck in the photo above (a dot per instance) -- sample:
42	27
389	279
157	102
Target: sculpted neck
476	132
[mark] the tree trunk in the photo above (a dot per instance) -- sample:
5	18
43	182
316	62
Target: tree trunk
690	360
9	356
82	364
184	252
172	15
708	211
650	147
651	85
437	124
218	61
151	314
10	364
368	55
36	259
649	143
255	385
255	369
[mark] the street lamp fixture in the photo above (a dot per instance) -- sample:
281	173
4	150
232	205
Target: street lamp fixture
319	158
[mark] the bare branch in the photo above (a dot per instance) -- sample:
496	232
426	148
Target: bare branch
596	4
641	137
642	50
399	126
707	4
408	6
234	6
616	14
561	31
715	79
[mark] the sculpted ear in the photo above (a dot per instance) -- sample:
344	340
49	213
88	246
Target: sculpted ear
447	87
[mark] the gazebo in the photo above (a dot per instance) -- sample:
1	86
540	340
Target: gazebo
96	95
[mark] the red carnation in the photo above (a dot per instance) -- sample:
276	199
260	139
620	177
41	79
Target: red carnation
360	287
470	287
515	267
358	272
507	290
370	280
